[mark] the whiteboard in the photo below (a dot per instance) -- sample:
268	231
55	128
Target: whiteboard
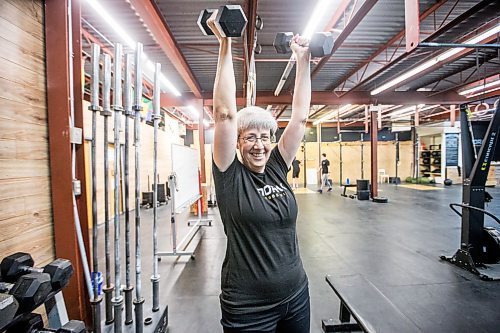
185	166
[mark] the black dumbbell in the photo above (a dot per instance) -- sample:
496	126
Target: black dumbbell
8	309
230	18
17	264
320	44
33	323
30	290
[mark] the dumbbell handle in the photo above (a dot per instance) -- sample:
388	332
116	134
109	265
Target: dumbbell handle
5	287
29	269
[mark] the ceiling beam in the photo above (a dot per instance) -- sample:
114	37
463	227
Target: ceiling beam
386	46
475	76
438	32
152	18
457	56
328	98
280	112
348	29
339	13
251	10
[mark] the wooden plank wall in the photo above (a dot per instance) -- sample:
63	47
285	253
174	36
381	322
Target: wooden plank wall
25	200
351	157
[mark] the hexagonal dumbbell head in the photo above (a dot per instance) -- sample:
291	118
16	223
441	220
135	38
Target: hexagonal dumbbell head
32	322
231	20
60	271
13	266
72	326
8	309
31	290
321	44
202	21
282	42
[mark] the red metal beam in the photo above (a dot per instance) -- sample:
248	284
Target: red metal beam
356	97
412	24
358	74
154	21
374	157
251	13
339	13
280	112
457	56
58	106
364	66
353	23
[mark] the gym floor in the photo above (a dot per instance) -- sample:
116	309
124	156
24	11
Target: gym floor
396	246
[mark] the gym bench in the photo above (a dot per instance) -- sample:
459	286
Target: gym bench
344	188
371	310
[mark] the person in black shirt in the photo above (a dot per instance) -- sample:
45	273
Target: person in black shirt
324	168
295	173
264	284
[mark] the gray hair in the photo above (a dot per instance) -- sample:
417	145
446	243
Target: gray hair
256	117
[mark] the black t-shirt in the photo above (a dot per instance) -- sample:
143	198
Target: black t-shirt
296	166
324	166
262	266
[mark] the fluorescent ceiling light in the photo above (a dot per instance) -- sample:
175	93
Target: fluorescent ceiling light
319	11
194	112
480	87
130	43
331	113
402	116
420	109
435	60
482	92
409	109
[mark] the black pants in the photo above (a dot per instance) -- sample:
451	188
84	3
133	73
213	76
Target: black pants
290	317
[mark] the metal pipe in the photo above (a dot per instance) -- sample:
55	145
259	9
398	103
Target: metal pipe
127	104
397	158
454	45
362	157
106	113
117	107
94	107
155	279
78	227
172	180
138	301
340	157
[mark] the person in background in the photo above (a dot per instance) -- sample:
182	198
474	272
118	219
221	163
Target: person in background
324	169
295	173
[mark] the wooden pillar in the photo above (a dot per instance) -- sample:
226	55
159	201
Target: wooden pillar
374	144
58	104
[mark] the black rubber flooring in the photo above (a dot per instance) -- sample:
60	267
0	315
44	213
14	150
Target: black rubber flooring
396	246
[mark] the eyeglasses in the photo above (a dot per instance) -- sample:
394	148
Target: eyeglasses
253	139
